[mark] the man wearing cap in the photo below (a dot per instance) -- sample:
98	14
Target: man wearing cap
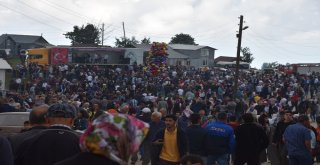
145	115
56	143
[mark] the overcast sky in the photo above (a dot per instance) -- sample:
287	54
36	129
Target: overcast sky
286	31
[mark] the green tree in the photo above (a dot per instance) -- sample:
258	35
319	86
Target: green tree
146	40
246	55
126	43
88	34
182	39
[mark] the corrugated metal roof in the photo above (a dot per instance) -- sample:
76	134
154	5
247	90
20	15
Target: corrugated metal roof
175	54
145	47
20	38
225	59
185	47
24	38
172	53
4	64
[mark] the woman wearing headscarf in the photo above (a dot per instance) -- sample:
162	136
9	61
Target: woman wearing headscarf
110	139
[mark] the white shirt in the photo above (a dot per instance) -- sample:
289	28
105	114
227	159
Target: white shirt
259	88
44	85
89	78
174	74
180	92
18	80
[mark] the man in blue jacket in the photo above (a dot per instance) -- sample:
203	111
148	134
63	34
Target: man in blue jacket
220	140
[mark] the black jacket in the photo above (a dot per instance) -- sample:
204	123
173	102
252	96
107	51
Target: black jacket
6	108
251	139
86	158
18	139
48	147
278	133
5	152
181	141
196	136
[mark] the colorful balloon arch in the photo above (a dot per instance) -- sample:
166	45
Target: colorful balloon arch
157	60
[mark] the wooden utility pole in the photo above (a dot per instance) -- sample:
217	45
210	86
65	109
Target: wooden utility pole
5	41
124	33
102	34
236	77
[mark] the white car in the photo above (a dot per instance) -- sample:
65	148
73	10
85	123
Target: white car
12	122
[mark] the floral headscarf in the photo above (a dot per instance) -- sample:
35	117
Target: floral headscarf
115	136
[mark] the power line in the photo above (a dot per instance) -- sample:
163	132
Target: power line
63	9
16	11
80	16
279	49
286	50
220	38
288	28
45	13
215	29
217	34
265	49
291	43
72	12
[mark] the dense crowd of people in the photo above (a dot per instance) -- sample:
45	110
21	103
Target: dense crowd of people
188	111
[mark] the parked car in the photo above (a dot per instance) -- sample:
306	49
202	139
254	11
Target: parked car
12	122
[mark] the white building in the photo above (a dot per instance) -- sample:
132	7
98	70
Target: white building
186	55
3	67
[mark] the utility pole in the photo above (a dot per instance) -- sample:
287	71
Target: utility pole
5	41
102	34
236	77
124	34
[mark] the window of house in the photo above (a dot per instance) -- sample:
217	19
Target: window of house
178	62
204	52
204	62
188	63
